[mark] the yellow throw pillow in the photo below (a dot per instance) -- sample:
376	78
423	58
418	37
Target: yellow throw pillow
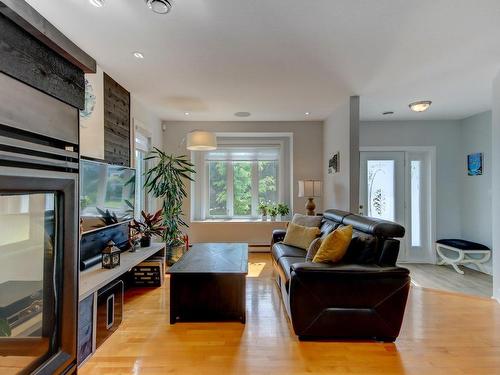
300	236
334	246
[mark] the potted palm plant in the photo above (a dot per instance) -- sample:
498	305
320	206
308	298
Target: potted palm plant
166	181
150	225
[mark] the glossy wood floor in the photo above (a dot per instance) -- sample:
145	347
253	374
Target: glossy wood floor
443	333
473	282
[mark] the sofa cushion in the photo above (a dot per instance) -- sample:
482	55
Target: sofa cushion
280	250
307	220
334	246
284	268
362	250
313	249
300	236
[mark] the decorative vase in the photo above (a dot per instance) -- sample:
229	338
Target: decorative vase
174	253
146	241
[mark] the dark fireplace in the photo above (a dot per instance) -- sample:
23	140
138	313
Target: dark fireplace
39	165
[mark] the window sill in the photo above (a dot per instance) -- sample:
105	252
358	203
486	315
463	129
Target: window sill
248	221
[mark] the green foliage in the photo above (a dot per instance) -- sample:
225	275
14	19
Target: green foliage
283	209
4	328
242	188
272	210
263	208
166	181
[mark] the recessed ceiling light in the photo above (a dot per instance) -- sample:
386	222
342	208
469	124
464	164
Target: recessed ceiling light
242	114
159	6
307	113
97	3
420	106
187	113
138	55
388	113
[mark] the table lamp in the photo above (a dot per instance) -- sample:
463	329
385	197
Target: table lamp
310	189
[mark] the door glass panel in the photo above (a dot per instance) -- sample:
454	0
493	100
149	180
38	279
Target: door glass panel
415	172
381	189
27	251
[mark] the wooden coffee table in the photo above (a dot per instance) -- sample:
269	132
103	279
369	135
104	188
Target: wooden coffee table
208	283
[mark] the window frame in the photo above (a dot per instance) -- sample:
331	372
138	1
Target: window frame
230	186
141	193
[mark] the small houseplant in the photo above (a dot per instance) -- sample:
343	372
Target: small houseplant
166	180
263	210
273	212
283	210
150	225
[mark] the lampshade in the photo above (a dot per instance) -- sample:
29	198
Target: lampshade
199	140
309	188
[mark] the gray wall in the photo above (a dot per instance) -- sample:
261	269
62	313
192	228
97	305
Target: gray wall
476	190
307	151
446	136
495	148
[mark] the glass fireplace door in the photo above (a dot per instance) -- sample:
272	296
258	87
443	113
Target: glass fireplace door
28	288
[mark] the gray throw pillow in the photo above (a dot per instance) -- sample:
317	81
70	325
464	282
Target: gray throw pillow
313	249
307	221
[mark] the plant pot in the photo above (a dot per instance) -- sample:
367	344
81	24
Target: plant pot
145	241
174	253
264	217
273	218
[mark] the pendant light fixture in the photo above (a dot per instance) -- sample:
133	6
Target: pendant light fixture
160	6
199	140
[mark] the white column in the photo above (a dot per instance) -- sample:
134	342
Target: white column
495	165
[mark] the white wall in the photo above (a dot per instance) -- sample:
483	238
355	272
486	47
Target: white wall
141	114
307	151
336	138
495	136
476	190
446	136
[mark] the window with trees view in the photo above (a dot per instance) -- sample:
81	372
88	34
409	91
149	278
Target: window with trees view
239	179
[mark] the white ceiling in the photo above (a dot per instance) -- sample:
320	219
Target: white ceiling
281	58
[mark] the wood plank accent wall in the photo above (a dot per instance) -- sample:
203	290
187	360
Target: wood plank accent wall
116	123
25	58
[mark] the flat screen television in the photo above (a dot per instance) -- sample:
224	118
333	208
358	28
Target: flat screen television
107	194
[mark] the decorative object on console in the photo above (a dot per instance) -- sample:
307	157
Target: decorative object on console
199	140
334	164
310	189
166	181
475	164
151	225
111	256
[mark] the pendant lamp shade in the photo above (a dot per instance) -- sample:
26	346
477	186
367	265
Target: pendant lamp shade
199	140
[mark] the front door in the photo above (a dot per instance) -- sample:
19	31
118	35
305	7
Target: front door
395	186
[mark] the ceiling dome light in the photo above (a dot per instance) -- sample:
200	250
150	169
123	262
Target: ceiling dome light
97	3
138	55
160	6
242	114
199	140
307	113
420	106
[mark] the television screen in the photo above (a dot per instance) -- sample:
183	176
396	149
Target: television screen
107	194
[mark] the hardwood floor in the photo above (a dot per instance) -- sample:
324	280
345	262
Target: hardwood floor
474	283
443	333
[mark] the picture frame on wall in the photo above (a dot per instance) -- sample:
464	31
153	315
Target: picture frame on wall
334	163
475	164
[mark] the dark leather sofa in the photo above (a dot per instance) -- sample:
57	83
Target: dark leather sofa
363	297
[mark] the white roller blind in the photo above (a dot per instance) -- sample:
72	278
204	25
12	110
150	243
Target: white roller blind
235	153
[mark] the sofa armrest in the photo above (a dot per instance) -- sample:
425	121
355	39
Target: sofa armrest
278	236
349	270
362	298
